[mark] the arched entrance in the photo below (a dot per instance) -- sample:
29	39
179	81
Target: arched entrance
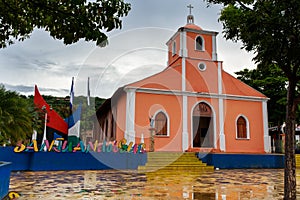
203	131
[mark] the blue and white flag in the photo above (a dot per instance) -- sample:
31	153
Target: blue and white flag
74	125
88	91
72	94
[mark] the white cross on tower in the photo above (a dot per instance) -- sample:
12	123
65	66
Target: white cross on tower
190	17
190	7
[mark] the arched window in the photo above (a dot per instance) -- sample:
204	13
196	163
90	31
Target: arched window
242	128
199	43
161	124
173	48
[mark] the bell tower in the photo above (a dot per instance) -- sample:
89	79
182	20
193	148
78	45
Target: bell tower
191	41
192	51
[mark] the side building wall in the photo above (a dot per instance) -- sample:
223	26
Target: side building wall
252	112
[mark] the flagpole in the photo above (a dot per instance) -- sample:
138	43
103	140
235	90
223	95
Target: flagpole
45	127
88	92
72	94
71	102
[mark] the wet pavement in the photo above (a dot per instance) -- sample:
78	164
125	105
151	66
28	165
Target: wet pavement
112	184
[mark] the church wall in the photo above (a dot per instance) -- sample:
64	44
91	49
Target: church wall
120	116
172	57
170	79
104	127
192	53
253	113
97	130
201	81
148	105
176	65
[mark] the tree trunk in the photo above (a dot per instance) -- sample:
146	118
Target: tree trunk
290	164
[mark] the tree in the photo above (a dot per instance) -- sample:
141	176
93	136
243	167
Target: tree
271	29
69	20
88	114
270	81
15	117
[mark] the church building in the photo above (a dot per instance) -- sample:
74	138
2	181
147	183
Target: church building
192	105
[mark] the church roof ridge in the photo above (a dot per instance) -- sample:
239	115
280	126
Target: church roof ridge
193	26
234	86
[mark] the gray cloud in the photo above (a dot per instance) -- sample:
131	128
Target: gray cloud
29	90
132	54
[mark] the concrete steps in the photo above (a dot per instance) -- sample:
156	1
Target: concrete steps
167	162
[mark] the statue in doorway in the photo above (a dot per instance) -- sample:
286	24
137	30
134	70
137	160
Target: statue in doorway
152	132
151	119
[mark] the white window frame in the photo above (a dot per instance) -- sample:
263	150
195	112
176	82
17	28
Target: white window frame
173	48
203	43
200	68
168	123
247	128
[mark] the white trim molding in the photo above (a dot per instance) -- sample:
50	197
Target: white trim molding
183	50
183	75
220	80
267	142
221	126
198	94
183	47
130	115
214	122
214	48
185	134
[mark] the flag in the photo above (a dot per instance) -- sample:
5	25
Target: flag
74	126
72	94
88	92
53	121
56	136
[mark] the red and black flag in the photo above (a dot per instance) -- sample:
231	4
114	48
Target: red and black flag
55	124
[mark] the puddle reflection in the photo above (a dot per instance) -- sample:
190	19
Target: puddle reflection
111	184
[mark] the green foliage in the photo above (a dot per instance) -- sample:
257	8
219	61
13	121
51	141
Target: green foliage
69	20
271	29
98	102
19	116
88	114
37	117
61	105
270	81
15	117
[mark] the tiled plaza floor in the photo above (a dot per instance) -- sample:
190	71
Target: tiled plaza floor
113	184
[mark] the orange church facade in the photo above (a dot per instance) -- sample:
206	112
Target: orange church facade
192	105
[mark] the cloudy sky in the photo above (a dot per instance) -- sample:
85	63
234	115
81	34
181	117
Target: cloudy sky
134	52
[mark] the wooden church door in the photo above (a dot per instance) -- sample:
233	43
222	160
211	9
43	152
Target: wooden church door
202	126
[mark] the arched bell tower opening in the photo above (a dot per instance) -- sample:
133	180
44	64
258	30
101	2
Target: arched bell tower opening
202	126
